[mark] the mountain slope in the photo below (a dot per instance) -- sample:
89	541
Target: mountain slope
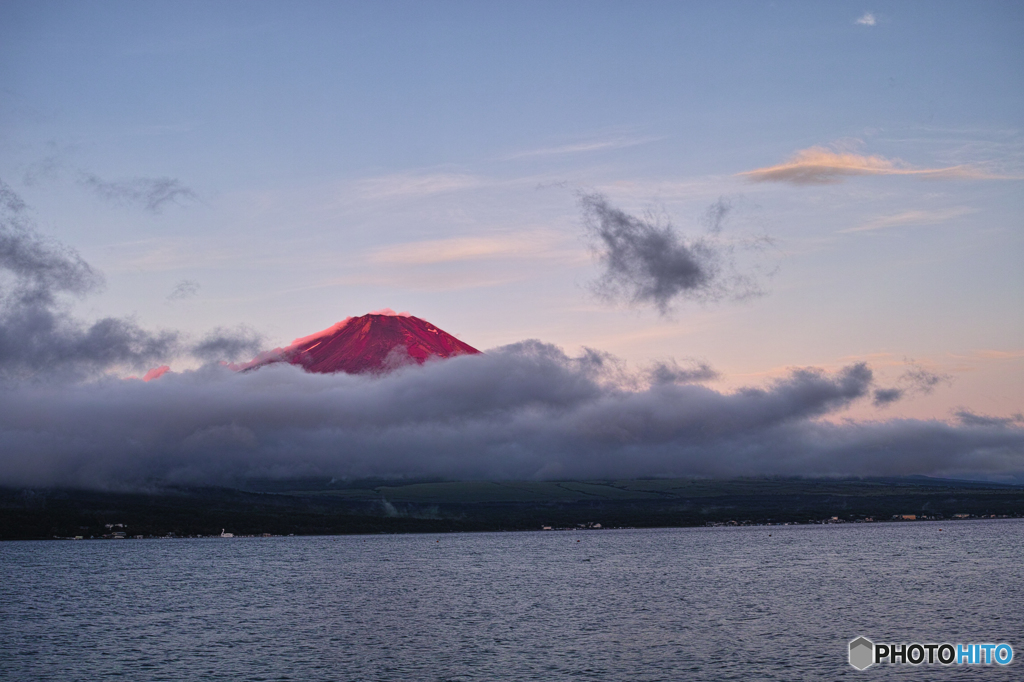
370	343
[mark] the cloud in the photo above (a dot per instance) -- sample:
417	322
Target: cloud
38	269
11	203
887	396
972	419
519	412
37	335
186	288
151	194
40	339
916	380
714	217
670	372
913	217
228	344
646	262
822	166
523	411
584	147
522	245
867	20
990	354
46	167
404	185
156	373
920	380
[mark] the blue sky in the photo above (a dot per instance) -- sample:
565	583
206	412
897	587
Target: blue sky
328	159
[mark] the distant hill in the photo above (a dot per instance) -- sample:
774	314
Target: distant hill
327	506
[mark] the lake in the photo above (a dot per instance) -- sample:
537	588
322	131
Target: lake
765	603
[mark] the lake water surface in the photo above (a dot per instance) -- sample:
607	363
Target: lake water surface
759	603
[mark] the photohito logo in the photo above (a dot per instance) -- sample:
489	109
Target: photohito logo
865	653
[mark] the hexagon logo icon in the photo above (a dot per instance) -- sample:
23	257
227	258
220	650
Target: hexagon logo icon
862	652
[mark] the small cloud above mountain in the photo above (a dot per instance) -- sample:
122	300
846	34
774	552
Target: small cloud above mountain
647	261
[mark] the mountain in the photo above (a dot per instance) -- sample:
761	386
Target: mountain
377	342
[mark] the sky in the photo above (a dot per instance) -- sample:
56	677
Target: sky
745	196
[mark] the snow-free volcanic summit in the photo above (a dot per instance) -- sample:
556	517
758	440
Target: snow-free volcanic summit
373	343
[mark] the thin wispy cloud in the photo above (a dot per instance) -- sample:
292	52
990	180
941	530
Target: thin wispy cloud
152	194
42	169
416	185
148	193
434	281
168	254
867	20
186	288
523	245
912	217
823	166
583	147
989	354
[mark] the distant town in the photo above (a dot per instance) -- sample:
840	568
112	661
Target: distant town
327	507
120	531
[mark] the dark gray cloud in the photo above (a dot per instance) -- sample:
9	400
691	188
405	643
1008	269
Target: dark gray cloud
647	262
520	412
915	380
10	202
887	396
228	345
151	194
39	336
670	372
186	288
37	269
972	419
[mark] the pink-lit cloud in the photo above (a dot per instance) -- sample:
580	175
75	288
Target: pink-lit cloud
822	166
390	313
156	373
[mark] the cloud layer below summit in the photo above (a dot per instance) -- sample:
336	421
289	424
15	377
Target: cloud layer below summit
526	411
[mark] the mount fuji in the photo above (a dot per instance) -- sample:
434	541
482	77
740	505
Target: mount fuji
373	343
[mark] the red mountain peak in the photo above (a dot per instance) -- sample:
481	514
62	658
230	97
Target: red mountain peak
376	342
